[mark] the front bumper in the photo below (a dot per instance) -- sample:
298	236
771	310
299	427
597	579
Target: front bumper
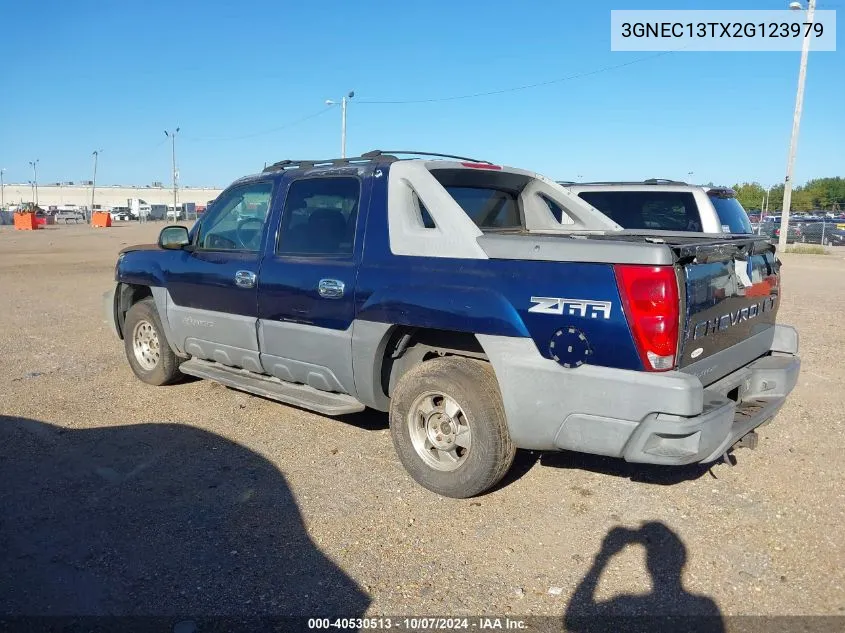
657	418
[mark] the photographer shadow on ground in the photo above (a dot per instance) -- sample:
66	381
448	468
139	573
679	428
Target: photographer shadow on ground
154	519
668	607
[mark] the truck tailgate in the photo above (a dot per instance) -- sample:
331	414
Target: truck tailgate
731	302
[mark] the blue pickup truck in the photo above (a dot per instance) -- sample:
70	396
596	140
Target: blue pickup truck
485	307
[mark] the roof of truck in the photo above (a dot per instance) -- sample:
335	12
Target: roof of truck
650	184
372	156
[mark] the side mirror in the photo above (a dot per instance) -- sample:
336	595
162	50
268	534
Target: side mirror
174	237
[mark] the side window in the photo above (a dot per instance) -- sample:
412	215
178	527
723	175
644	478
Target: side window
236	222
320	217
555	209
425	216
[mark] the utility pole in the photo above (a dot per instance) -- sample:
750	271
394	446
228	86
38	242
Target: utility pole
95	154
796	123
343	128
172	136
34	164
343	103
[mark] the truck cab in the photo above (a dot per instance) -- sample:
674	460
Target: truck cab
486	308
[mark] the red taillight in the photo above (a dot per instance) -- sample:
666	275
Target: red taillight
481	166
650	298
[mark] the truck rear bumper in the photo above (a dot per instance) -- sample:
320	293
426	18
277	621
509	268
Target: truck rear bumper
658	418
733	407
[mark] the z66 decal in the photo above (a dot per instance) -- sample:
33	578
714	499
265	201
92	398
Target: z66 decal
573	307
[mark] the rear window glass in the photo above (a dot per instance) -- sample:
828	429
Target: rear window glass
731	215
653	210
488	208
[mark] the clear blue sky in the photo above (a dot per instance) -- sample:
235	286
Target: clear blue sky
86	75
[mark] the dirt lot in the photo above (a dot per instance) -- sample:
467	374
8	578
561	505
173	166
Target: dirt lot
121	498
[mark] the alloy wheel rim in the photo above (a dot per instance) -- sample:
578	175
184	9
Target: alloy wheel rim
440	431
145	345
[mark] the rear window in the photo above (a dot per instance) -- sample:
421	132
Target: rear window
653	210
488	208
731	215
489	198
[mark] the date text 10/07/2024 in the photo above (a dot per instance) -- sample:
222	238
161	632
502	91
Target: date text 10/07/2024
418	624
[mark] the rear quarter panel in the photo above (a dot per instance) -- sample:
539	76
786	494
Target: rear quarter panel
487	296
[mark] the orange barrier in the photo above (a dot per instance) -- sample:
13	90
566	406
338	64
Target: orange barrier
101	220
25	222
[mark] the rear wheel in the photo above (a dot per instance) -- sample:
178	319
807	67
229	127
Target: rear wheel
147	350
448	426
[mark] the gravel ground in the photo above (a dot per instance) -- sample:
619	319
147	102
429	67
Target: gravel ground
121	498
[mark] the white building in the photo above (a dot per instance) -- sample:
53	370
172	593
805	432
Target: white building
105	196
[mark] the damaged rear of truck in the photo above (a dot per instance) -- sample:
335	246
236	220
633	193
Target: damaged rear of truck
652	346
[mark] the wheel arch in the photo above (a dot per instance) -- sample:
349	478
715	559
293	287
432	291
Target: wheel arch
128	294
383	353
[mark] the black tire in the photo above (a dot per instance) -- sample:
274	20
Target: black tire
165	370
472	385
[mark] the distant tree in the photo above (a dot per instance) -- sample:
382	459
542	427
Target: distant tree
750	195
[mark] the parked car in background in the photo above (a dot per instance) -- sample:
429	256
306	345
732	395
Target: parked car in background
824	232
121	214
666	205
771	228
68	215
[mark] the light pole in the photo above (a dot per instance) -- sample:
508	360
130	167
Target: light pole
172	136
343	103
34	164
95	154
796	123
2	189
689	176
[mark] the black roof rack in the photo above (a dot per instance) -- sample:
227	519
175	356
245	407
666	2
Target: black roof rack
366	157
309	163
649	181
391	153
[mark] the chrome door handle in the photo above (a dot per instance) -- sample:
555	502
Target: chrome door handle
331	288
245	279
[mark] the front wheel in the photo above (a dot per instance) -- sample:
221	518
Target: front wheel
449	428
146	347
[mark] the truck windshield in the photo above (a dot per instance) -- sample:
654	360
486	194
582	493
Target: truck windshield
659	210
732	216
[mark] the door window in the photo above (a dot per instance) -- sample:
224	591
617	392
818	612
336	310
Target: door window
236	223
320	217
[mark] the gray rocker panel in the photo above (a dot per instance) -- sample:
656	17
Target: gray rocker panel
273	388
315	356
